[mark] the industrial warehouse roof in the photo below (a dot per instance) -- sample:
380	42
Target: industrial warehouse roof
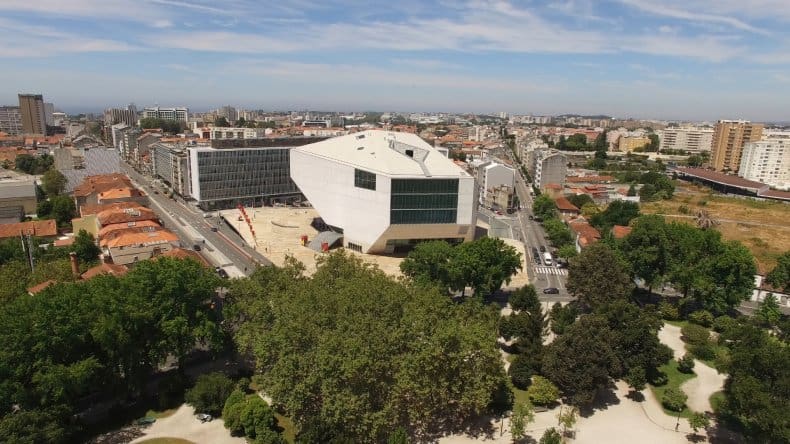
385	152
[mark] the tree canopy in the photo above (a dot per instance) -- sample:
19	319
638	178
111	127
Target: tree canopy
168	126
779	277
617	213
30	164
352	354
598	276
53	182
543	206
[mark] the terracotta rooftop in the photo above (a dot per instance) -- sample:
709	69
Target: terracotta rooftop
587	233
620	231
142	238
124	215
590	179
108	237
101	183
40	228
107	229
40	287
120	193
564	204
553	186
104	268
181	253
87	210
63	242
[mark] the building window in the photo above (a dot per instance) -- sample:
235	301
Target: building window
364	179
424	201
354	247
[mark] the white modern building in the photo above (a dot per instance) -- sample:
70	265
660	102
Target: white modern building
220	133
179	114
692	139
386	191
547	167
491	175
767	161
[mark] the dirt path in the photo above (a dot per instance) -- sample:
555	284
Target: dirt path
183	424
708	380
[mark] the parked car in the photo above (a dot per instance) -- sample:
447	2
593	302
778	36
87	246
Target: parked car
551	290
222	273
204	417
542	249
196	247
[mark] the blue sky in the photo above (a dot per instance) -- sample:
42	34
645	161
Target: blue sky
674	59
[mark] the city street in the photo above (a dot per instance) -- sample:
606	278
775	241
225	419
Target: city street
222	248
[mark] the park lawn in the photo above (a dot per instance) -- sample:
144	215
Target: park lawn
520	396
675	379
716	400
288	427
743	219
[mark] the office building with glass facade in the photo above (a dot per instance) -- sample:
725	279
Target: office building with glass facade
225	177
386	191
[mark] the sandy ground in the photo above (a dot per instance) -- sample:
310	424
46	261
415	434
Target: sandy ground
183	424
708	380
278	231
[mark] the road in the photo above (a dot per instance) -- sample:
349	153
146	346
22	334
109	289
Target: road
222	248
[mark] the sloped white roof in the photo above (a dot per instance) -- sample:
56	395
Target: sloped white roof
384	152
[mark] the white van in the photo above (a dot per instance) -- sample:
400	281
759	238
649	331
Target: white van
547	258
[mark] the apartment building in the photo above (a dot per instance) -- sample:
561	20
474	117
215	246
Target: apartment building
491	175
31	108
171	164
218	133
767	161
10	120
691	139
548	167
729	138
126	115
180	114
626	144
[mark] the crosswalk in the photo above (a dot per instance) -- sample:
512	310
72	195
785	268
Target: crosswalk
551	270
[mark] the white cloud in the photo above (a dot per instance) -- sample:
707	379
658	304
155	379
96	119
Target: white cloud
23	40
162	23
665	10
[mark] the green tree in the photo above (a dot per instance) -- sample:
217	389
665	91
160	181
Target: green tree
85	247
631	191
562	317
484	265
221	122
241	123
686	364
399	436
567	251
779	277
430	263
231	412
695	161
647	193
551	436
53	182
580	200
542	391
617	213
521	370
757	391
523	414
210	392
698	420
567	418
581	360
543	206
63	209
559	234
600	142
257	418
323	343
646	249
598	276
768	312
654	144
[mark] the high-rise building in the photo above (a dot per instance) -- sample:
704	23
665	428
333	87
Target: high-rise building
126	115
180	114
767	161
692	139
229	113
10	120
31	107
548	167
729	138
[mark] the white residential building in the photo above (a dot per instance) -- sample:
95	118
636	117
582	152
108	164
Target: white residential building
492	175
220	133
692	139
767	161
180	114
386	191
549	167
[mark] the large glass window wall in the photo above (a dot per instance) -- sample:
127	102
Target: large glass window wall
424	201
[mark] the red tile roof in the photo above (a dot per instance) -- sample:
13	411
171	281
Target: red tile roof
40	287
108	229
564	204
182	253
620	231
87	210
124	215
101	183
40	228
105	268
128	239
587	233
590	179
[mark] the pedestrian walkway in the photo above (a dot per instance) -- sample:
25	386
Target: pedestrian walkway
551	270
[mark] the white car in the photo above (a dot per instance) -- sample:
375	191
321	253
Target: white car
204	417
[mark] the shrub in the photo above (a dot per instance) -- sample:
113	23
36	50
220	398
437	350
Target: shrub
668	311
704	351
243	384
674	399
701	317
659	378
695	334
686	364
724	324
551	436
210	393
231	413
683	209
521	371
542	391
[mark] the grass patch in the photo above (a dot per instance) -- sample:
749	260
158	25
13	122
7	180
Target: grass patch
675	379
160	414
287	426
520	396
680	324
166	441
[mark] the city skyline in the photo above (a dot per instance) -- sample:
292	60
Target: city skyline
695	60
